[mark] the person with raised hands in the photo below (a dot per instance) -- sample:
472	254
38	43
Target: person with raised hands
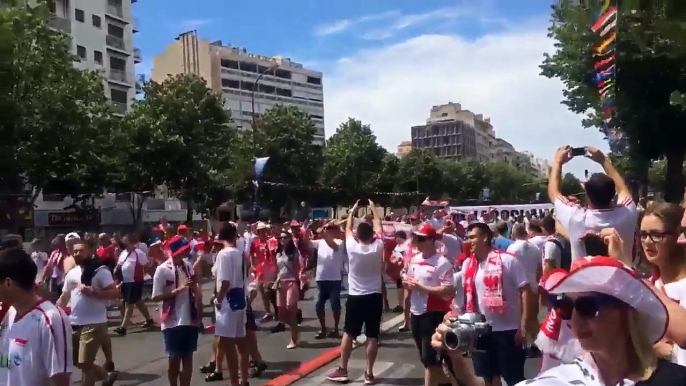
600	211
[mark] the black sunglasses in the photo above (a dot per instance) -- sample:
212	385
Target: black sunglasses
655	236
586	307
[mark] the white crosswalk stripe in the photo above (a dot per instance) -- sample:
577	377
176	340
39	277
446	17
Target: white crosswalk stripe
386	373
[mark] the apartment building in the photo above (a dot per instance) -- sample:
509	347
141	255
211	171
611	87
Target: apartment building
449	132
250	83
404	148
503	151
102	38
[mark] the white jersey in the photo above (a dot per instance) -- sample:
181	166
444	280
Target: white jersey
36	346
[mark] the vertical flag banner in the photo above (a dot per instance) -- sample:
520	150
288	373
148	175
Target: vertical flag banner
605	67
260	163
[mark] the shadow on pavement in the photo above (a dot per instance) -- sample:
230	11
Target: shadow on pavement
137	378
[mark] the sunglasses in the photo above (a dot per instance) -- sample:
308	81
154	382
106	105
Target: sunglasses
588	307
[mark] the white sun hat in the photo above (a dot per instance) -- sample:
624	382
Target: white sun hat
611	277
72	236
261	225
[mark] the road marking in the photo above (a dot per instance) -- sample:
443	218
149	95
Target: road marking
387	373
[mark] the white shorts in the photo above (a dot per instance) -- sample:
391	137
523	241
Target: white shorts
230	324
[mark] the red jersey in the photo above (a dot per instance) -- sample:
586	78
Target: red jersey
107	254
263	256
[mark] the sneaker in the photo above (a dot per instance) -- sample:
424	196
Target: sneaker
369	378
266	318
149	323
110	378
338	375
120	331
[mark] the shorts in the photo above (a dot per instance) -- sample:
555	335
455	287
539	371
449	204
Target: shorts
288	294
501	356
423	326
132	293
328	290
230	324
363	311
180	341
87	341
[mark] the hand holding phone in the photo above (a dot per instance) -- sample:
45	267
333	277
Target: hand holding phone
578	151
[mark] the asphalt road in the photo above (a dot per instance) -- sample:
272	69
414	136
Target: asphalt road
140	360
397	364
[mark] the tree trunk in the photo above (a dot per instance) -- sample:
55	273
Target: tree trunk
674	178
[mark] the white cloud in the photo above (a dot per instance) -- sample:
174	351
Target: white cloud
339	26
393	88
194	23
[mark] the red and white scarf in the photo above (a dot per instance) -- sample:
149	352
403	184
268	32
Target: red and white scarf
557	342
493	297
169	306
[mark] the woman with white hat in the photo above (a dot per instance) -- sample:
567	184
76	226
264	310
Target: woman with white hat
617	318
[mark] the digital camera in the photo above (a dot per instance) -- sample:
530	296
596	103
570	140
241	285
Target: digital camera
466	332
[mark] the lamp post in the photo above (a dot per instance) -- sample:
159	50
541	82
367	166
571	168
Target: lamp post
254	126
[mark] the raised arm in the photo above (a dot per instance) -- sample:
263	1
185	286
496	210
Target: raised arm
376	220
349	220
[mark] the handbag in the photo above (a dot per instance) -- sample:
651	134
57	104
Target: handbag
235	297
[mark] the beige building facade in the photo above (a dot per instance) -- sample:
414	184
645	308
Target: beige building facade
404	148
234	72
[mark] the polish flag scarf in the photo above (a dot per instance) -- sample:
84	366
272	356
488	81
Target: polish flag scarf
493	297
169	306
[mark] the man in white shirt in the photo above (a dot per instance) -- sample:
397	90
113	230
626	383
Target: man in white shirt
87	288
230	304
174	286
601	212
528	255
536	235
131	268
36	345
364	306
554	247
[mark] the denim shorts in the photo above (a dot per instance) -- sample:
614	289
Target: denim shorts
180	341
328	290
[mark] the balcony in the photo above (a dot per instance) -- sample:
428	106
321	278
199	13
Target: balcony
135	25
115	42
139	88
120	107
60	24
118	75
137	55
115	10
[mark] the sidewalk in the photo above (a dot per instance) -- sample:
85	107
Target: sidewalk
139	356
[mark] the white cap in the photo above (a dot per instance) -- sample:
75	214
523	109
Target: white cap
72	236
261	225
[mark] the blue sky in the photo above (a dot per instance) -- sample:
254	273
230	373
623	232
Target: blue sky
387	62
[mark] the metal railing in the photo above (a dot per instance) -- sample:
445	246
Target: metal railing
115	42
118	75
120	107
60	24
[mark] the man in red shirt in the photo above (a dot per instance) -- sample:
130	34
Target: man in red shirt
107	251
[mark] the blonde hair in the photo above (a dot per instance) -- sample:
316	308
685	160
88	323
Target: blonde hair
643	347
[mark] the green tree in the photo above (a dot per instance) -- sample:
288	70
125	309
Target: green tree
56	120
387	182
285	134
191	136
650	57
353	159
420	171
508	184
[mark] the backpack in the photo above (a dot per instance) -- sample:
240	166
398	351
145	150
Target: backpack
566	259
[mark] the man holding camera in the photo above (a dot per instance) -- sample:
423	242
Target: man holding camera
495	285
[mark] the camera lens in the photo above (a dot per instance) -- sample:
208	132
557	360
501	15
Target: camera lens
451	340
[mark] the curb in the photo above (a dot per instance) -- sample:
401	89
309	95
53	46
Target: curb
324	359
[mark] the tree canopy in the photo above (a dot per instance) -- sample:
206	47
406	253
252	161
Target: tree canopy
650	58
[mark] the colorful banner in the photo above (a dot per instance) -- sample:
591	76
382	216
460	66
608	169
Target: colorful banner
505	210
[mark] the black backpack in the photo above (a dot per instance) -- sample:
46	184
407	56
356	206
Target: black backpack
566	260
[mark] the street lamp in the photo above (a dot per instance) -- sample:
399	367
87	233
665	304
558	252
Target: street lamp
254	123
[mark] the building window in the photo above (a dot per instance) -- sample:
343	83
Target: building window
313	80
97	21
79	15
81	52
97	57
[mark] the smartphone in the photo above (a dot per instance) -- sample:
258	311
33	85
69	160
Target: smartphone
578	151
595	246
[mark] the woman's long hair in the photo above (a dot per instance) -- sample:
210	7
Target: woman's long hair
671	216
288	248
647	359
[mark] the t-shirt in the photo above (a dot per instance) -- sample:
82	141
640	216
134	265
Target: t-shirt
677	292
107	254
40	259
578	220
435	271
85	309
36	346
166	279
143	247
514	278
501	243
128	261
365	265
229	267
56	261
330	263
539	242
453	246
552	251
529	257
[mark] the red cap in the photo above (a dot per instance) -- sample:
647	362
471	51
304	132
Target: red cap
182	228
295	223
426	230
